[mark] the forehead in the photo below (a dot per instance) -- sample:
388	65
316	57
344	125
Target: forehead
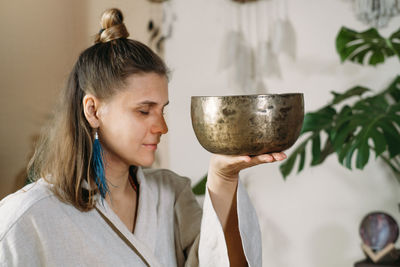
138	88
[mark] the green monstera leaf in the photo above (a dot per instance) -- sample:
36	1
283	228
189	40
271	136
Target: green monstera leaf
365	46
320	126
394	42
370	124
371	119
200	187
353	130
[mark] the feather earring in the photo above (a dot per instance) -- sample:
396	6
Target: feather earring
98	166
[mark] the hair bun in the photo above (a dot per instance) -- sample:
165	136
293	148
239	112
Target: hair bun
112	26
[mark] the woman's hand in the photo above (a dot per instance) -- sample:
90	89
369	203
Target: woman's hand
223	176
222	182
227	168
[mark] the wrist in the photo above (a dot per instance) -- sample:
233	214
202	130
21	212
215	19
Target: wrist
221	183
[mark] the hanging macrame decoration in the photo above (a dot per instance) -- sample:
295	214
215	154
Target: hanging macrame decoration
284	36
376	13
238	54
160	29
257	35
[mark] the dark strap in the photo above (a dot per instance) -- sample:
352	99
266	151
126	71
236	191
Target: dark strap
123	237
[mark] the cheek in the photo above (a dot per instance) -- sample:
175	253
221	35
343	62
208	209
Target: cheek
123	130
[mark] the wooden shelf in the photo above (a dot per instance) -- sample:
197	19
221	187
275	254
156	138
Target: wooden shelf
368	263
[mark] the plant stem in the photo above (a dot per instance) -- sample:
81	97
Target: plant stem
390	164
395	169
326	151
396	159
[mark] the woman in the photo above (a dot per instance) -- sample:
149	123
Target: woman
95	205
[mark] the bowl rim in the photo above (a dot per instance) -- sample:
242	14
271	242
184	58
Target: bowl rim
251	95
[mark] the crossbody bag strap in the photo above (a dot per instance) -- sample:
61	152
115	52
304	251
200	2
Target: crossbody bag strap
123	237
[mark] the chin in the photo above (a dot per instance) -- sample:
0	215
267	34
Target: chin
146	165
145	162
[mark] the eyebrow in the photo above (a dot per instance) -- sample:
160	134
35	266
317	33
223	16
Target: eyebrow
152	103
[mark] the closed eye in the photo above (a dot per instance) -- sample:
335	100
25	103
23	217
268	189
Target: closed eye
144	112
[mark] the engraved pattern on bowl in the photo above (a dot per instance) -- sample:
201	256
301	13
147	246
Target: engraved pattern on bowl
247	124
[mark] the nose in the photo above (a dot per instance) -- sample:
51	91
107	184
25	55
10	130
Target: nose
160	126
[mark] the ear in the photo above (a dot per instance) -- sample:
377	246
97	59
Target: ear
91	106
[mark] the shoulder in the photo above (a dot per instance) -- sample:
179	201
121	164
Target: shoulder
14	206
164	178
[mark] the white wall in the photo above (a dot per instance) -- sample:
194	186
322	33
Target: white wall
311	219
40	40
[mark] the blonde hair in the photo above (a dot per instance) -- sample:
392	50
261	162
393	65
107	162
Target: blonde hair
63	155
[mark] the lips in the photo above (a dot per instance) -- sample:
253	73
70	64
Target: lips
150	146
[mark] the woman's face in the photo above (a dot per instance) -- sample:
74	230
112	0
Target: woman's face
132	121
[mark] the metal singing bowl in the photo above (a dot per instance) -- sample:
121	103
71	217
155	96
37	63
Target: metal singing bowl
247	124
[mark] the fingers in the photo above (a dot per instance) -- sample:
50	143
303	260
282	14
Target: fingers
230	160
268	158
246	161
254	160
232	165
279	156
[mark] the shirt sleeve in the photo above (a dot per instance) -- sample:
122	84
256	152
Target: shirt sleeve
19	238
201	235
21	247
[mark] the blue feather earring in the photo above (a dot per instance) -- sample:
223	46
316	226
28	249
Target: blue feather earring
98	166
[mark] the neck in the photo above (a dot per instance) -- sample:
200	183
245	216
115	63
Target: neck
117	176
117	180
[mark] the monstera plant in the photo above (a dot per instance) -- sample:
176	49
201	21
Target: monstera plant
354	123
358	122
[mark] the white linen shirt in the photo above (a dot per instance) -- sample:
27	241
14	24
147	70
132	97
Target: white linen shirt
37	229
